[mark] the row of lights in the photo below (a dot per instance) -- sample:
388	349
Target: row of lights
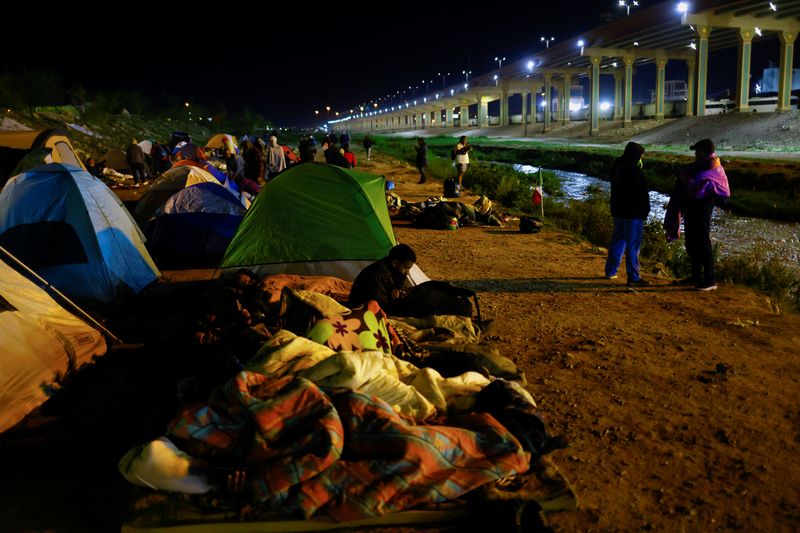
682	7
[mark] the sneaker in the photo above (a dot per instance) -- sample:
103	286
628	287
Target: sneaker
612	276
638	282
707	286
136	185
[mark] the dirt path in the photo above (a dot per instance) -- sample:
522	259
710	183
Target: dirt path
682	407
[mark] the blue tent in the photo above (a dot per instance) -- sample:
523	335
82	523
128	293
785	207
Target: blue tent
75	233
194	226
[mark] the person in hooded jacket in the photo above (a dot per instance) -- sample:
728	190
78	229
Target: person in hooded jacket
274	158
630	205
701	185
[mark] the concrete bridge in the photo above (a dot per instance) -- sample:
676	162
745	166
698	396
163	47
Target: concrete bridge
657	35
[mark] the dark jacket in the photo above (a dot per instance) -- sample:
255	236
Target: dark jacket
422	155
135	155
629	191
376	282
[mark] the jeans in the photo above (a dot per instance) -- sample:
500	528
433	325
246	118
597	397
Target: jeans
625	238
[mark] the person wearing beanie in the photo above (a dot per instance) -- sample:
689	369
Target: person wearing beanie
700	186
630	205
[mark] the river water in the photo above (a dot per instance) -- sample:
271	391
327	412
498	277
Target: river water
737	235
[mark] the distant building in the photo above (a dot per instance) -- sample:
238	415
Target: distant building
674	91
769	80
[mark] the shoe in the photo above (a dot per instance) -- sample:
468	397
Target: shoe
612	276
638	282
422	181
707	286
136	185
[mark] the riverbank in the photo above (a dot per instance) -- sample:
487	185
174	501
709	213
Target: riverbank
757	150
680	405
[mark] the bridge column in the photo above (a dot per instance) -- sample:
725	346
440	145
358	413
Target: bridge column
787	39
619	104
703	32
661	65
691	67
548	101
504	121
524	96
448	117
743	71
595	127
565	118
463	115
483	112
628	104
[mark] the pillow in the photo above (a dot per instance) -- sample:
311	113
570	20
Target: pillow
365	328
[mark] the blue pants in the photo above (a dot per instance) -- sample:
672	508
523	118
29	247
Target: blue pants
625	238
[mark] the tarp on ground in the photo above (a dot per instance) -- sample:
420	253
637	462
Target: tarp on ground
40	342
314	219
73	231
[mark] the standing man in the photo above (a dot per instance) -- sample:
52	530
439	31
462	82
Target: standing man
274	159
422	159
462	158
700	186
630	205
368	144
135	159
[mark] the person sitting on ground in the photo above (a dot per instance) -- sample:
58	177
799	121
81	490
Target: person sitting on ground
385	281
94	168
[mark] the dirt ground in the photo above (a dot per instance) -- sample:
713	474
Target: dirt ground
682	407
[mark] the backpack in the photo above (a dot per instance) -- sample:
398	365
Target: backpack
530	225
452	155
451	189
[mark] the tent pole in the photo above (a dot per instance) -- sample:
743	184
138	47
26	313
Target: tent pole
47	285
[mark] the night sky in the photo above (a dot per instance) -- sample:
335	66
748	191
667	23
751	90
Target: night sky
288	60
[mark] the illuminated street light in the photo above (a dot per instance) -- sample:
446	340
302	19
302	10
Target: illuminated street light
500	61
495	79
466	86
547	41
693	46
444	76
186	104
466	74
530	66
627	5
773	6
316	111
581	43
683	7
758	31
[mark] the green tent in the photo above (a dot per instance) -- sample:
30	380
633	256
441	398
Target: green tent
314	219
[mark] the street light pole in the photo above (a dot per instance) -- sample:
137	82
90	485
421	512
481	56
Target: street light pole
627	5
500	61
547	41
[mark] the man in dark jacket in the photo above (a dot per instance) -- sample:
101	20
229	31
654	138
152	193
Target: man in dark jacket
385	281
630	205
422	159
137	164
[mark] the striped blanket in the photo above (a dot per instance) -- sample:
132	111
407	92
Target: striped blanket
343	456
